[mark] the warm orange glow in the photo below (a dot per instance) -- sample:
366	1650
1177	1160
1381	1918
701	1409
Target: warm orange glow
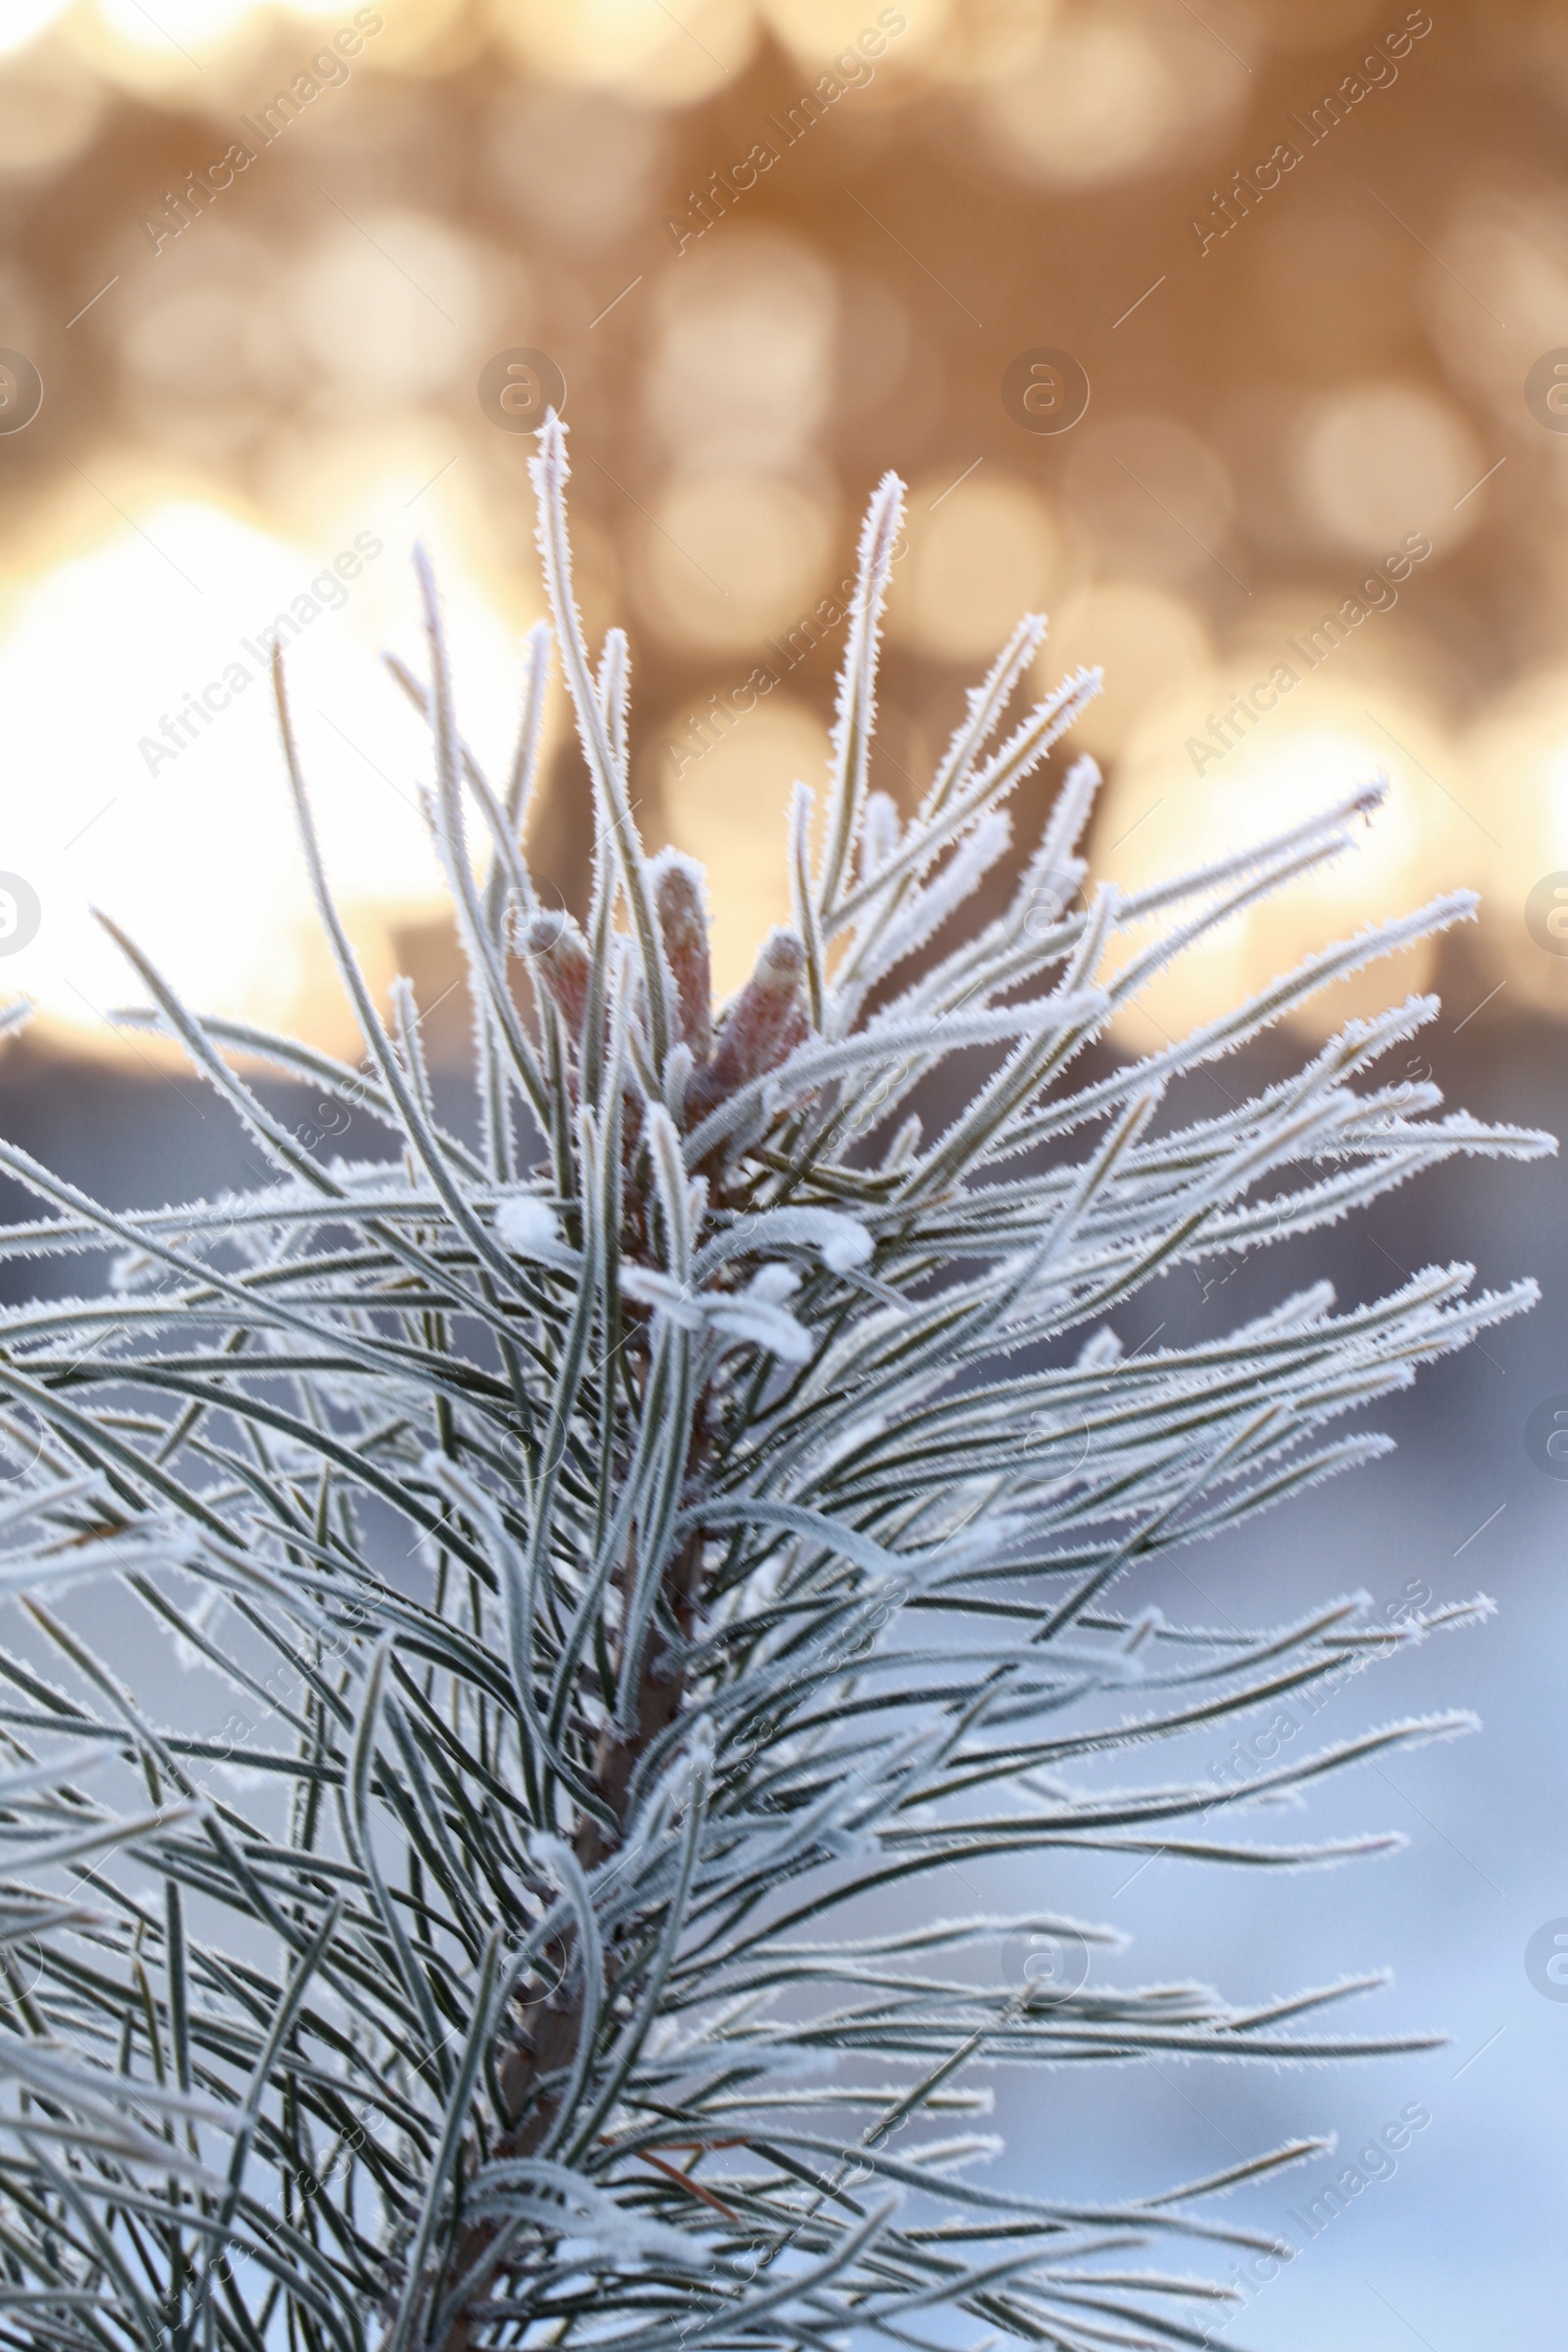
762	281
145	759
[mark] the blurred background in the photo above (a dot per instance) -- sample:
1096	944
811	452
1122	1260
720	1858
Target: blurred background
1234	336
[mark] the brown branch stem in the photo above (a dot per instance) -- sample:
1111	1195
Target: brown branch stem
547	2048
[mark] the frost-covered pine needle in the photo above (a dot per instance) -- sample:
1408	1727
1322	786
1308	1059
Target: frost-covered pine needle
490	1624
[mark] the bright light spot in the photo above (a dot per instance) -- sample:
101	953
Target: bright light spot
821	31
741	372
24	19
1378	460
393	305
1104	93
145	770
661	55
173	24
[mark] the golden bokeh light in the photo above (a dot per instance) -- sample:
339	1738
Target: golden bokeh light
817	30
651	54
1100	92
1376	459
742	367
190	24
1149	643
1514	244
981	553
727	560
394	307
299	361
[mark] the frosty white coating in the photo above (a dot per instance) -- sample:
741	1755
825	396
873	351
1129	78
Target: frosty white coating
625	1542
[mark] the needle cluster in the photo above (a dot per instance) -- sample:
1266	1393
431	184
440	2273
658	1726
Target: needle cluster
512	1646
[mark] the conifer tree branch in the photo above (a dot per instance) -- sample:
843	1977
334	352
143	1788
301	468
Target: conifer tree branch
612	1548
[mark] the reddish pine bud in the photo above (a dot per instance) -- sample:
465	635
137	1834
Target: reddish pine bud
559	957
683	920
763	1026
